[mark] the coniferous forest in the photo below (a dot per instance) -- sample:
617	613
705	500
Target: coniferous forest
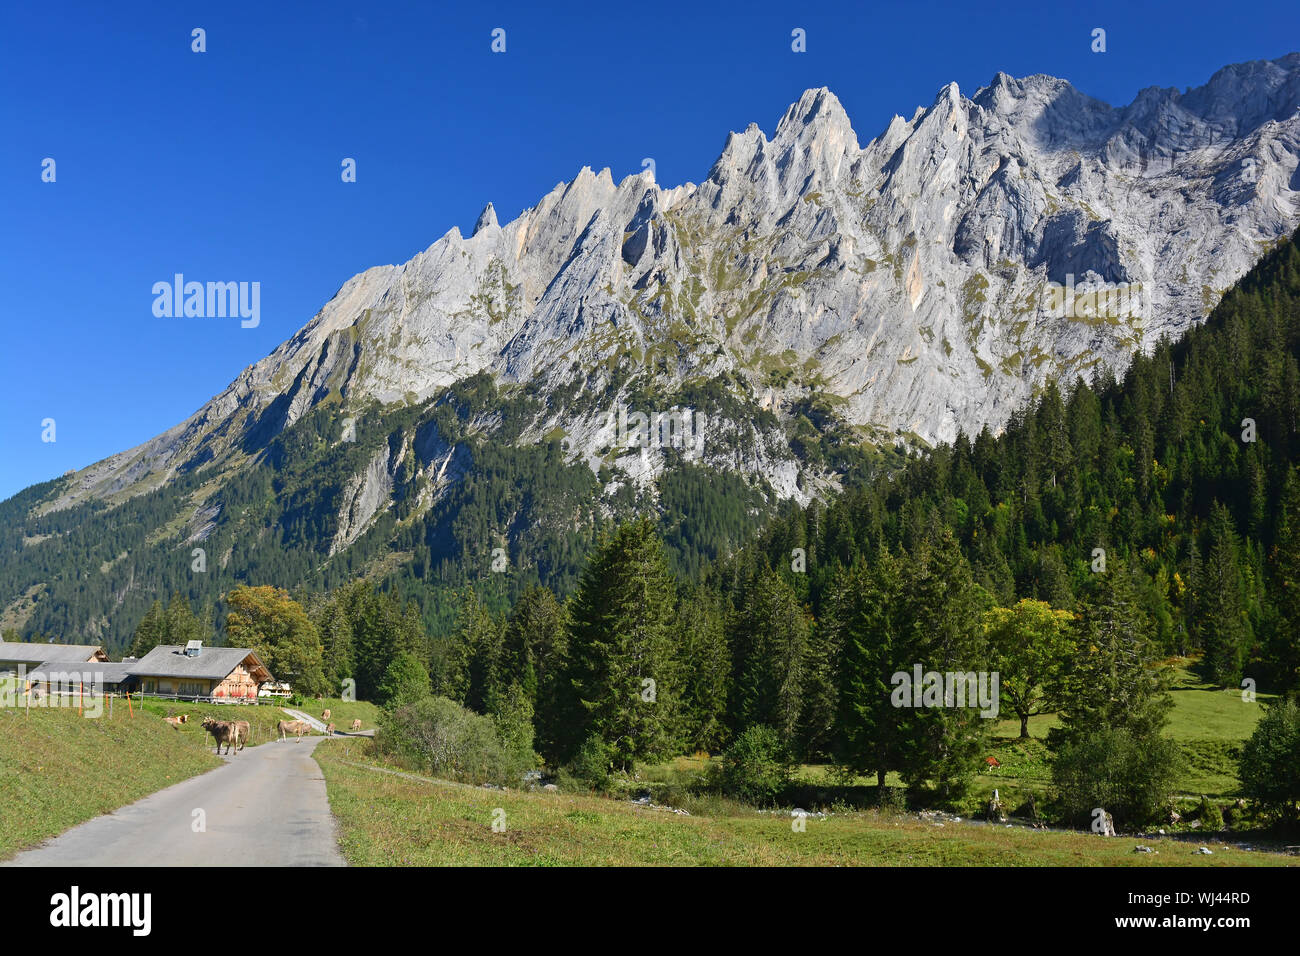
1112	525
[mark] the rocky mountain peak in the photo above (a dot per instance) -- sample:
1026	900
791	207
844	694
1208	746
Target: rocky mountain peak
907	283
487	219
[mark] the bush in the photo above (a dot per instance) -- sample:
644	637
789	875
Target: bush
590	766
756	767
893	800
1270	762
443	738
405	681
1130	777
512	715
1209	814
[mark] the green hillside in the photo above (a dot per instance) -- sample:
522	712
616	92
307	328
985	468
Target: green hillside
58	769
392	820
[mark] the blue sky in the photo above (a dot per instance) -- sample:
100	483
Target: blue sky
225	165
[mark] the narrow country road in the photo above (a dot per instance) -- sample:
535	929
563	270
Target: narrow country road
265	807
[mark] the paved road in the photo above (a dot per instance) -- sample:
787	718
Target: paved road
300	715
266	807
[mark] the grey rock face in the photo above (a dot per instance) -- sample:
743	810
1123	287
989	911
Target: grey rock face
908	279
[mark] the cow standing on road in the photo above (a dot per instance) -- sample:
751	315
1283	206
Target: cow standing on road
222	731
329	731
295	727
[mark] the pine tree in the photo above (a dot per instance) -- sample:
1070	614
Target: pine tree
867	611
768	634
624	674
535	656
150	632
944	634
1221	626
706	660
1114	680
1284	646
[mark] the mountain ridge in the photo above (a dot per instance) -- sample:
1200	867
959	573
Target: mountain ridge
811	304
1001	185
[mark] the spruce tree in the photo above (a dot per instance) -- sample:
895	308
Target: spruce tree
769	640
943	633
624	674
706	660
1114	679
1221	625
867	612
1284	645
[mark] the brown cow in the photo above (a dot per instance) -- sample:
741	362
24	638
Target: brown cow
356	724
222	731
295	727
242	730
174	721
326	714
329	731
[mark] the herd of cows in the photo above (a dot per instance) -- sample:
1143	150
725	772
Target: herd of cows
235	732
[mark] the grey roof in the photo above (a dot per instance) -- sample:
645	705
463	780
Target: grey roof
98	672
20	653
170	660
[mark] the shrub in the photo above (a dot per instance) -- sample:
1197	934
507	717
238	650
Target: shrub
512	715
1270	761
757	766
441	737
893	800
592	762
1209	814
1129	776
405	681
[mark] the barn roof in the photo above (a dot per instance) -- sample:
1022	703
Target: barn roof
211	663
98	672
18	653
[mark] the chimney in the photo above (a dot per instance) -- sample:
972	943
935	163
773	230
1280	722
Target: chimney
193	648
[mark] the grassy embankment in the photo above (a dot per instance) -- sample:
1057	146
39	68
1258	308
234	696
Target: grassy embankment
391	820
58	769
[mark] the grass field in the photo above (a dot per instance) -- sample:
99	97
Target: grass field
391	820
342	712
1208	723
58	769
262	718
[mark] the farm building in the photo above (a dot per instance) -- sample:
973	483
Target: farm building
14	654
198	672
97	677
275	688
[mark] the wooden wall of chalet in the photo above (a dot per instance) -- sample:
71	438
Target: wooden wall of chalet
238	684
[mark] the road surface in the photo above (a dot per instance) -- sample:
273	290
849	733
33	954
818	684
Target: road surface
265	807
